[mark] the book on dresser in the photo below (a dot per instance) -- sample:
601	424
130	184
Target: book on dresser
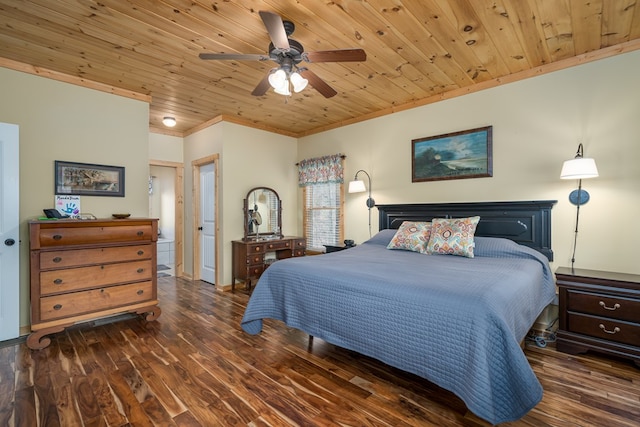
82	270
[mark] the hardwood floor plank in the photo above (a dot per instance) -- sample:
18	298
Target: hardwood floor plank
194	366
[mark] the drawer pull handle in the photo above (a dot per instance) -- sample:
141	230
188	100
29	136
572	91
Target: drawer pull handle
140	252
140	292
140	270
57	259
615	330
615	306
140	233
57	306
57	237
57	281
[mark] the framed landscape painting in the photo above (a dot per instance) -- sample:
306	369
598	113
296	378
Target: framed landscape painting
457	155
86	179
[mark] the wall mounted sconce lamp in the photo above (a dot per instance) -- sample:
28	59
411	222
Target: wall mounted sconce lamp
169	121
579	168
357	186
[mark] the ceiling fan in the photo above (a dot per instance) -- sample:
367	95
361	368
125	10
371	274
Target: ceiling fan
288	53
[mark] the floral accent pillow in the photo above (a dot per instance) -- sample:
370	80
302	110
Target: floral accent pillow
453	236
411	236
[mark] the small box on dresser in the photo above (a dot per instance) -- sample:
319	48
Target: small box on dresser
82	270
599	311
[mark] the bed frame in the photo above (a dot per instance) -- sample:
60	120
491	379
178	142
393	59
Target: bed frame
527	223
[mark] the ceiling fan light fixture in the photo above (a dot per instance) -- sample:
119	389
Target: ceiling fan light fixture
283	89
169	121
277	79
298	82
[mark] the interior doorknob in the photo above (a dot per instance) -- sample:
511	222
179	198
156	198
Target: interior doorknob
200	228
9	242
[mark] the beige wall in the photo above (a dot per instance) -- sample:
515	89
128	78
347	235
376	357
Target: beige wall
247	158
59	121
166	148
537	124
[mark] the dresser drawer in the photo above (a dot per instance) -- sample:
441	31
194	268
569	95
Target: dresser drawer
604	328
277	245
604	305
255	270
60	306
72	279
255	259
255	249
63	236
77	257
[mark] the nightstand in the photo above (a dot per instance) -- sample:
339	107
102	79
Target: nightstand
599	311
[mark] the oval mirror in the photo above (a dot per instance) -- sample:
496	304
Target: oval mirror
262	213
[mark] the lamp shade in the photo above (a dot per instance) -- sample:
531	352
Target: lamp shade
579	168
357	186
298	82
277	79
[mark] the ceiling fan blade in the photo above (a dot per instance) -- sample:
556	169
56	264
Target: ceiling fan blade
262	87
275	28
319	84
234	56
340	55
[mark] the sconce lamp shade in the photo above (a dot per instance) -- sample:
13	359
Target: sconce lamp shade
169	122
579	168
357	186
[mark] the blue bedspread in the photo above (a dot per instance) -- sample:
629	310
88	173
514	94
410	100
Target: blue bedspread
455	321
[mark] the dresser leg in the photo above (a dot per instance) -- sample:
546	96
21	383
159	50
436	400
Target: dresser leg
37	340
153	312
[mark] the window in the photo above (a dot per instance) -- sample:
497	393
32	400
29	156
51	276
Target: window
323	193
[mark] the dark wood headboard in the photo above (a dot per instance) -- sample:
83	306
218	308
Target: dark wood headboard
527	223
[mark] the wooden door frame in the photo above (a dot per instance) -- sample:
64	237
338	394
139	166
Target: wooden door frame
195	167
179	212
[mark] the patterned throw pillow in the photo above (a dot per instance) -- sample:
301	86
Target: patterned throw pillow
411	236
453	236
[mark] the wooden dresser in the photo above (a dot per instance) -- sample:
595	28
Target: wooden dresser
86	269
599	311
250	257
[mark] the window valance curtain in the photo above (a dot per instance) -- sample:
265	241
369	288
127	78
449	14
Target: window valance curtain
321	170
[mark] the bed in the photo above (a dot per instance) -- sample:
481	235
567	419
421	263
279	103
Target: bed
405	308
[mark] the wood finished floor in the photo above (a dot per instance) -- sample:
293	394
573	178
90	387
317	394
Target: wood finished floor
194	366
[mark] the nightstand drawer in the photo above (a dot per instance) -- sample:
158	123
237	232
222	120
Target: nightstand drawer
604	305
604	328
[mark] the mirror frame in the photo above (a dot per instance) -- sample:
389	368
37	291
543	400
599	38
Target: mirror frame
269	235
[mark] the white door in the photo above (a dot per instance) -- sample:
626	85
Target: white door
208	225
9	234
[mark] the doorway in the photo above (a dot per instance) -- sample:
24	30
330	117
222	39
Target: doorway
205	198
166	201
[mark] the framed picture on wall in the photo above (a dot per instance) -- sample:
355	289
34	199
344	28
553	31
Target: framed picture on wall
86	179
457	155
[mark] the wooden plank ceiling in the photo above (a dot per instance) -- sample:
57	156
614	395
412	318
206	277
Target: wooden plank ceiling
417	51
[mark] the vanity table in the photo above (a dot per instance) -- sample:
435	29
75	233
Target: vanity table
263	242
251	258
